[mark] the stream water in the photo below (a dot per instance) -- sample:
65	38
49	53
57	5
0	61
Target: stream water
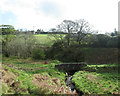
68	82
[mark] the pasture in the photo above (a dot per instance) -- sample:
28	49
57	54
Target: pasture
44	39
48	39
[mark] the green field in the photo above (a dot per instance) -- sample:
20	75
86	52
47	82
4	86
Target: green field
44	39
47	39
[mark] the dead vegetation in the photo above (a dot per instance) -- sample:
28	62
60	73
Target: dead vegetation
46	84
51	84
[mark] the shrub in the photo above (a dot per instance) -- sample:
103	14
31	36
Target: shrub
102	55
38	54
21	46
55	51
72	55
64	53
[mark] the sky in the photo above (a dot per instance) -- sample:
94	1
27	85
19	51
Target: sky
47	14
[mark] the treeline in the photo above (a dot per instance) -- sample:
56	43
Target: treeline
104	41
76	42
25	46
50	33
9	29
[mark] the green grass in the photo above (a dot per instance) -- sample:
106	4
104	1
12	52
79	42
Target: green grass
22	77
48	39
102	65
26	85
94	79
98	79
25	69
45	39
34	67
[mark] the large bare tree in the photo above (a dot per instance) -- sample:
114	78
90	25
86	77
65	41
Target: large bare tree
83	29
68	27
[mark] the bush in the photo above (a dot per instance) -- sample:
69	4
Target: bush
72	55
38	54
21	46
65	54
55	51
101	55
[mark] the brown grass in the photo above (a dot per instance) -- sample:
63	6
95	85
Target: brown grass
55	86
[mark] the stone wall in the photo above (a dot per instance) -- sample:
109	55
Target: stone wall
70	66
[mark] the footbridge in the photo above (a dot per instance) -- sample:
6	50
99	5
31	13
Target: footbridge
71	67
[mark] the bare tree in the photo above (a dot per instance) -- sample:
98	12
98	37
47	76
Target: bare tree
68	27
83	28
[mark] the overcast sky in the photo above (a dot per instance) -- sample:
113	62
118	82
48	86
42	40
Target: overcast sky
46	14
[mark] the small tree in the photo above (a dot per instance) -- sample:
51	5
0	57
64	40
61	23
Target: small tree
7	29
115	33
8	32
53	30
101	40
21	46
38	54
39	31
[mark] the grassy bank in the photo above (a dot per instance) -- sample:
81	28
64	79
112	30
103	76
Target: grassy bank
98	79
25	76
